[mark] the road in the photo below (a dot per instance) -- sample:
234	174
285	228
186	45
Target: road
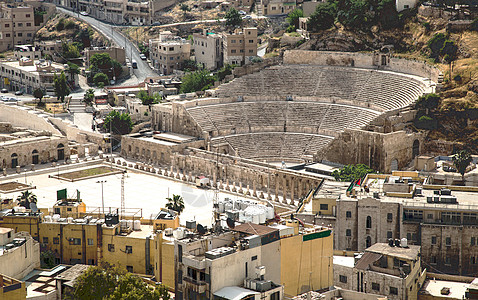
132	52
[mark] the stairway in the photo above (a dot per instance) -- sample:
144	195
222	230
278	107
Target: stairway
76	106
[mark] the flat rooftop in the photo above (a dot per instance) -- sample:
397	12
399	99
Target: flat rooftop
345	261
435	287
410	253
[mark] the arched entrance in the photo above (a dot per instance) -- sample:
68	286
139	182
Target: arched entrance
368	242
60	151
14	160
35	156
415	148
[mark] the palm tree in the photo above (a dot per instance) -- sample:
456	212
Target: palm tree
26	198
176	203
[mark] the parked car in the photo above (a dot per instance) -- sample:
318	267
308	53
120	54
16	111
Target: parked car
4	98
134	64
4	91
142	56
241	12
19	93
83	13
156	23
12	99
247	17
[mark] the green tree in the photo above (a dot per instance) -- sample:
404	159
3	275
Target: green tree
69	50
233	18
428	102
89	96
175	203
224	71
387	14
60	85
26	198
323	17
38	93
103	63
293	17
60	25
145	98
352	172
435	44
197	81
101	78
107	282
461	161
73	69
184	7
47	259
355	14
119	123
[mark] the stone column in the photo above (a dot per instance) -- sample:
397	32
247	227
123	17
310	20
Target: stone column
240	187
292	194
277	180
234	187
284	190
227	188
254	193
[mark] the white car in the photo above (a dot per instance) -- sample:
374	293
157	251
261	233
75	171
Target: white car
247	17
241	12
83	13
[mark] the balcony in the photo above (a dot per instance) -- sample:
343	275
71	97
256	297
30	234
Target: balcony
195	285
196	262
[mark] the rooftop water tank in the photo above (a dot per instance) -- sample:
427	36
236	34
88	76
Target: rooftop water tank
137	225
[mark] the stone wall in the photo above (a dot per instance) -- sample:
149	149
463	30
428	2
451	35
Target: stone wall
360	60
374	149
174	118
78	135
21	117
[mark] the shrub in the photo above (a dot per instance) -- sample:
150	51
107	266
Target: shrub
70	24
424	118
60	25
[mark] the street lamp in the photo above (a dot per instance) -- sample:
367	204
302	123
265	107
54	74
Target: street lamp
102	197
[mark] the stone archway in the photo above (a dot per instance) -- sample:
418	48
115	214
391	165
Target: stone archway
415	148
60	152
35	157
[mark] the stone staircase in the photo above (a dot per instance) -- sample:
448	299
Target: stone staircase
76	106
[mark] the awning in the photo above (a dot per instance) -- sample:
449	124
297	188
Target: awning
234	293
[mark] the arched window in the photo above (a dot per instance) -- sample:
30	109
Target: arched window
369	222
35	157
61	151
14	157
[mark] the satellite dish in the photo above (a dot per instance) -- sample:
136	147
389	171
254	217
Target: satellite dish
230	223
201	229
33	207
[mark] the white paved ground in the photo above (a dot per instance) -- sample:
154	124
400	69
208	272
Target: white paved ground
142	190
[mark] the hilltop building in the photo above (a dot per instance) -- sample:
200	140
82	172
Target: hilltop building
168	52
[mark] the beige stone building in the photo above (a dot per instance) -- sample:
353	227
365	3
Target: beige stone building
393	270
168	52
17	25
275	7
208	49
20	253
28	75
115	53
25	148
240	46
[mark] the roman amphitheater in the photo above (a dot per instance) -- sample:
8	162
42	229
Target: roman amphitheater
312	107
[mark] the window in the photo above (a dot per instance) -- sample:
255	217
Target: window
348	214
68	209
324	207
56	240
375	286
448	260
27	16
451	217
430	216
111	247
393	290
233	51
413	215
233	41
343	278
254	257
20	24
7	34
433	260
90	242
129	249
472	260
472	242
45	240
129	269
369	222
251	51
9	234
74	241
192	273
389	235
29	24
434	240
389	217
448	241
275	296
7	25
348	232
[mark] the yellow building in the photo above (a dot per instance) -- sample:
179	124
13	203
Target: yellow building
12	289
69	208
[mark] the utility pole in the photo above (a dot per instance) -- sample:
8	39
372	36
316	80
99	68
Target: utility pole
102	196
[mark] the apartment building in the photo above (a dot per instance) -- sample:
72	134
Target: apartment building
208	49
28	51
168	52
17	25
275	7
442	221
78	236
27	75
131	12
19	253
240	46
391	269
299	259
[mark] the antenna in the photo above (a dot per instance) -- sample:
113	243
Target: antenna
201	229
230	223
33	207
